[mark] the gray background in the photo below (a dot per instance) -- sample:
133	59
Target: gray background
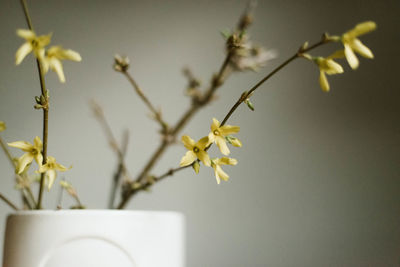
317	182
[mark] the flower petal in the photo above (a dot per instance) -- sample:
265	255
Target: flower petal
323	82
220	174
55	65
2	126
236	142
38	143
203	143
22	52
227	161
51	176
362	28
215	125
26	34
351	57
24	160
188	159
188	142
337	54
204	157
71	55
360	48
333	67
23	145
229	129
59	167
220	141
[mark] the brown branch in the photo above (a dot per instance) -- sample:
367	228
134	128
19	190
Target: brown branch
139	91
8	202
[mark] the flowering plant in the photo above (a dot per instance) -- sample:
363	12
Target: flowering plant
241	55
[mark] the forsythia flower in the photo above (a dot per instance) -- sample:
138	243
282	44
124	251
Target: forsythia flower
219	173
33	43
53	59
329	66
218	135
32	152
196	151
353	44
50	168
2	126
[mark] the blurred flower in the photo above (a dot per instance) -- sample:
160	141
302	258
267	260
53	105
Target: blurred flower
53	58
248	56
32	152
50	168
329	66
196	151
352	44
219	173
2	126
218	135
33	43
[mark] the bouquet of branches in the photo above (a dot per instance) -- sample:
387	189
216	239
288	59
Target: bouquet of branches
36	170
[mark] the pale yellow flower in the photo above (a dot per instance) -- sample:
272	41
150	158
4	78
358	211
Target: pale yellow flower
328	66
353	45
53	57
2	126
218	134
50	168
33	43
196	151
219	173
32	152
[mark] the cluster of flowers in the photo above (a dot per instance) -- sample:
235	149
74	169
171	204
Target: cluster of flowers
48	58
352	45
197	151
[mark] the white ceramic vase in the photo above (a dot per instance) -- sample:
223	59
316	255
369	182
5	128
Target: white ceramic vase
98	238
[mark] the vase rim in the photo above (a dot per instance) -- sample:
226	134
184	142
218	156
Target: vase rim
95	212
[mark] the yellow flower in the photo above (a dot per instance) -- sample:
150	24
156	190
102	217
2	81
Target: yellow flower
53	59
32	152
329	66
2	126
33	43
50	168
218	135
196	151
352	44
219	173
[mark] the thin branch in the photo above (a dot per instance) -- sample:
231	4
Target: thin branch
120	170
139	91
7	152
99	114
8	202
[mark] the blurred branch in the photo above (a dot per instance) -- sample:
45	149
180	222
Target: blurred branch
8	202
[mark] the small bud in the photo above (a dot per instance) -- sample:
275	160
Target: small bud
233	141
196	166
2	126
37	99
226	34
121	64
303	47
136	185
249	104
38	106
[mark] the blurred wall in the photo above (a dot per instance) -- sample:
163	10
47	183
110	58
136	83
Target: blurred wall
317	182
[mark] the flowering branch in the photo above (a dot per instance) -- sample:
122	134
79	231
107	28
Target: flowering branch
245	95
44	104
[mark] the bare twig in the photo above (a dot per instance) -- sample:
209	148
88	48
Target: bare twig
9	203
